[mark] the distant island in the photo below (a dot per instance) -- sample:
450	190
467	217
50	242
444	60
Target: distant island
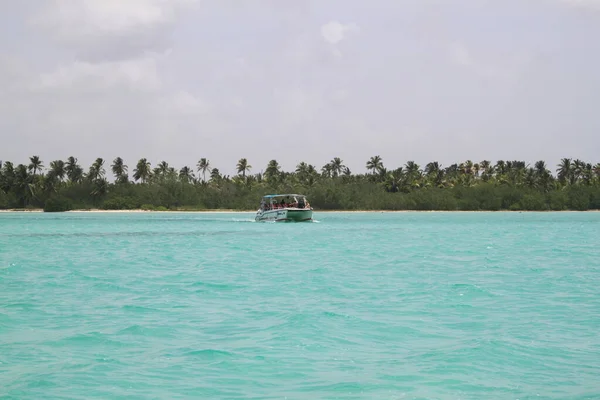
466	186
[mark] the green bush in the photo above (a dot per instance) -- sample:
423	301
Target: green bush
579	198
595	199
356	192
532	202
488	196
119	203
57	204
557	200
4	202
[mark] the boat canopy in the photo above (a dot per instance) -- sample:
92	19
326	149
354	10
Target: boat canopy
271	196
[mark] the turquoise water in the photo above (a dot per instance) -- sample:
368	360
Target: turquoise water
368	305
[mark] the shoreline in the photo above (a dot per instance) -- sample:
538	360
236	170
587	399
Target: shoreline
231	211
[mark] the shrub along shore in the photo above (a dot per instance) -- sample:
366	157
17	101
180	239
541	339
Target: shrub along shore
467	186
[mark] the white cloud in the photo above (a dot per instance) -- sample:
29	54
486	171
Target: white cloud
591	4
149	81
498	66
118	93
182	103
102	17
298	106
98	30
460	55
138	74
334	32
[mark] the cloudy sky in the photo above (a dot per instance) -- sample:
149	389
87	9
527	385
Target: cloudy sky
300	80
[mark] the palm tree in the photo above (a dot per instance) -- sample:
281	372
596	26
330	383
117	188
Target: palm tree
543	177
163	167
302	168
74	170
434	173
540	168
96	171
517	171
413	174
306	173
487	170
215	175
243	167
530	179
467	167
327	171
100	188
337	166
587	174
57	168
432	168
119	170
500	167
273	170
394	181
203	165
565	171
186	174
23	185
49	182
142	170
8	176
375	164
35	164
476	169
578	170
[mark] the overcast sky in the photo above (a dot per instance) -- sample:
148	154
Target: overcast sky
421	80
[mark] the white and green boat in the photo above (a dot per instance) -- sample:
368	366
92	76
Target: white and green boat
284	208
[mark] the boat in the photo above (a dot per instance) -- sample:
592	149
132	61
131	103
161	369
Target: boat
284	208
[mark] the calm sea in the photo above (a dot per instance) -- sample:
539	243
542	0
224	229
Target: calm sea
356	305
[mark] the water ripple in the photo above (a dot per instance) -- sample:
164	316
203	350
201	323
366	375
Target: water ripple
369	306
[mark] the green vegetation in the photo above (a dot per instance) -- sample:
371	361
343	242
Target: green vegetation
505	185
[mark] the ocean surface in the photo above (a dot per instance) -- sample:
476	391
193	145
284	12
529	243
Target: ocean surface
354	306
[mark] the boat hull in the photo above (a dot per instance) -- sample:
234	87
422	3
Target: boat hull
285	215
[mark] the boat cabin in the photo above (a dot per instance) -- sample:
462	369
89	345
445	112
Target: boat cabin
281	201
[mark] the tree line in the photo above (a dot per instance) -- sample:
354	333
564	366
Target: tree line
503	185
